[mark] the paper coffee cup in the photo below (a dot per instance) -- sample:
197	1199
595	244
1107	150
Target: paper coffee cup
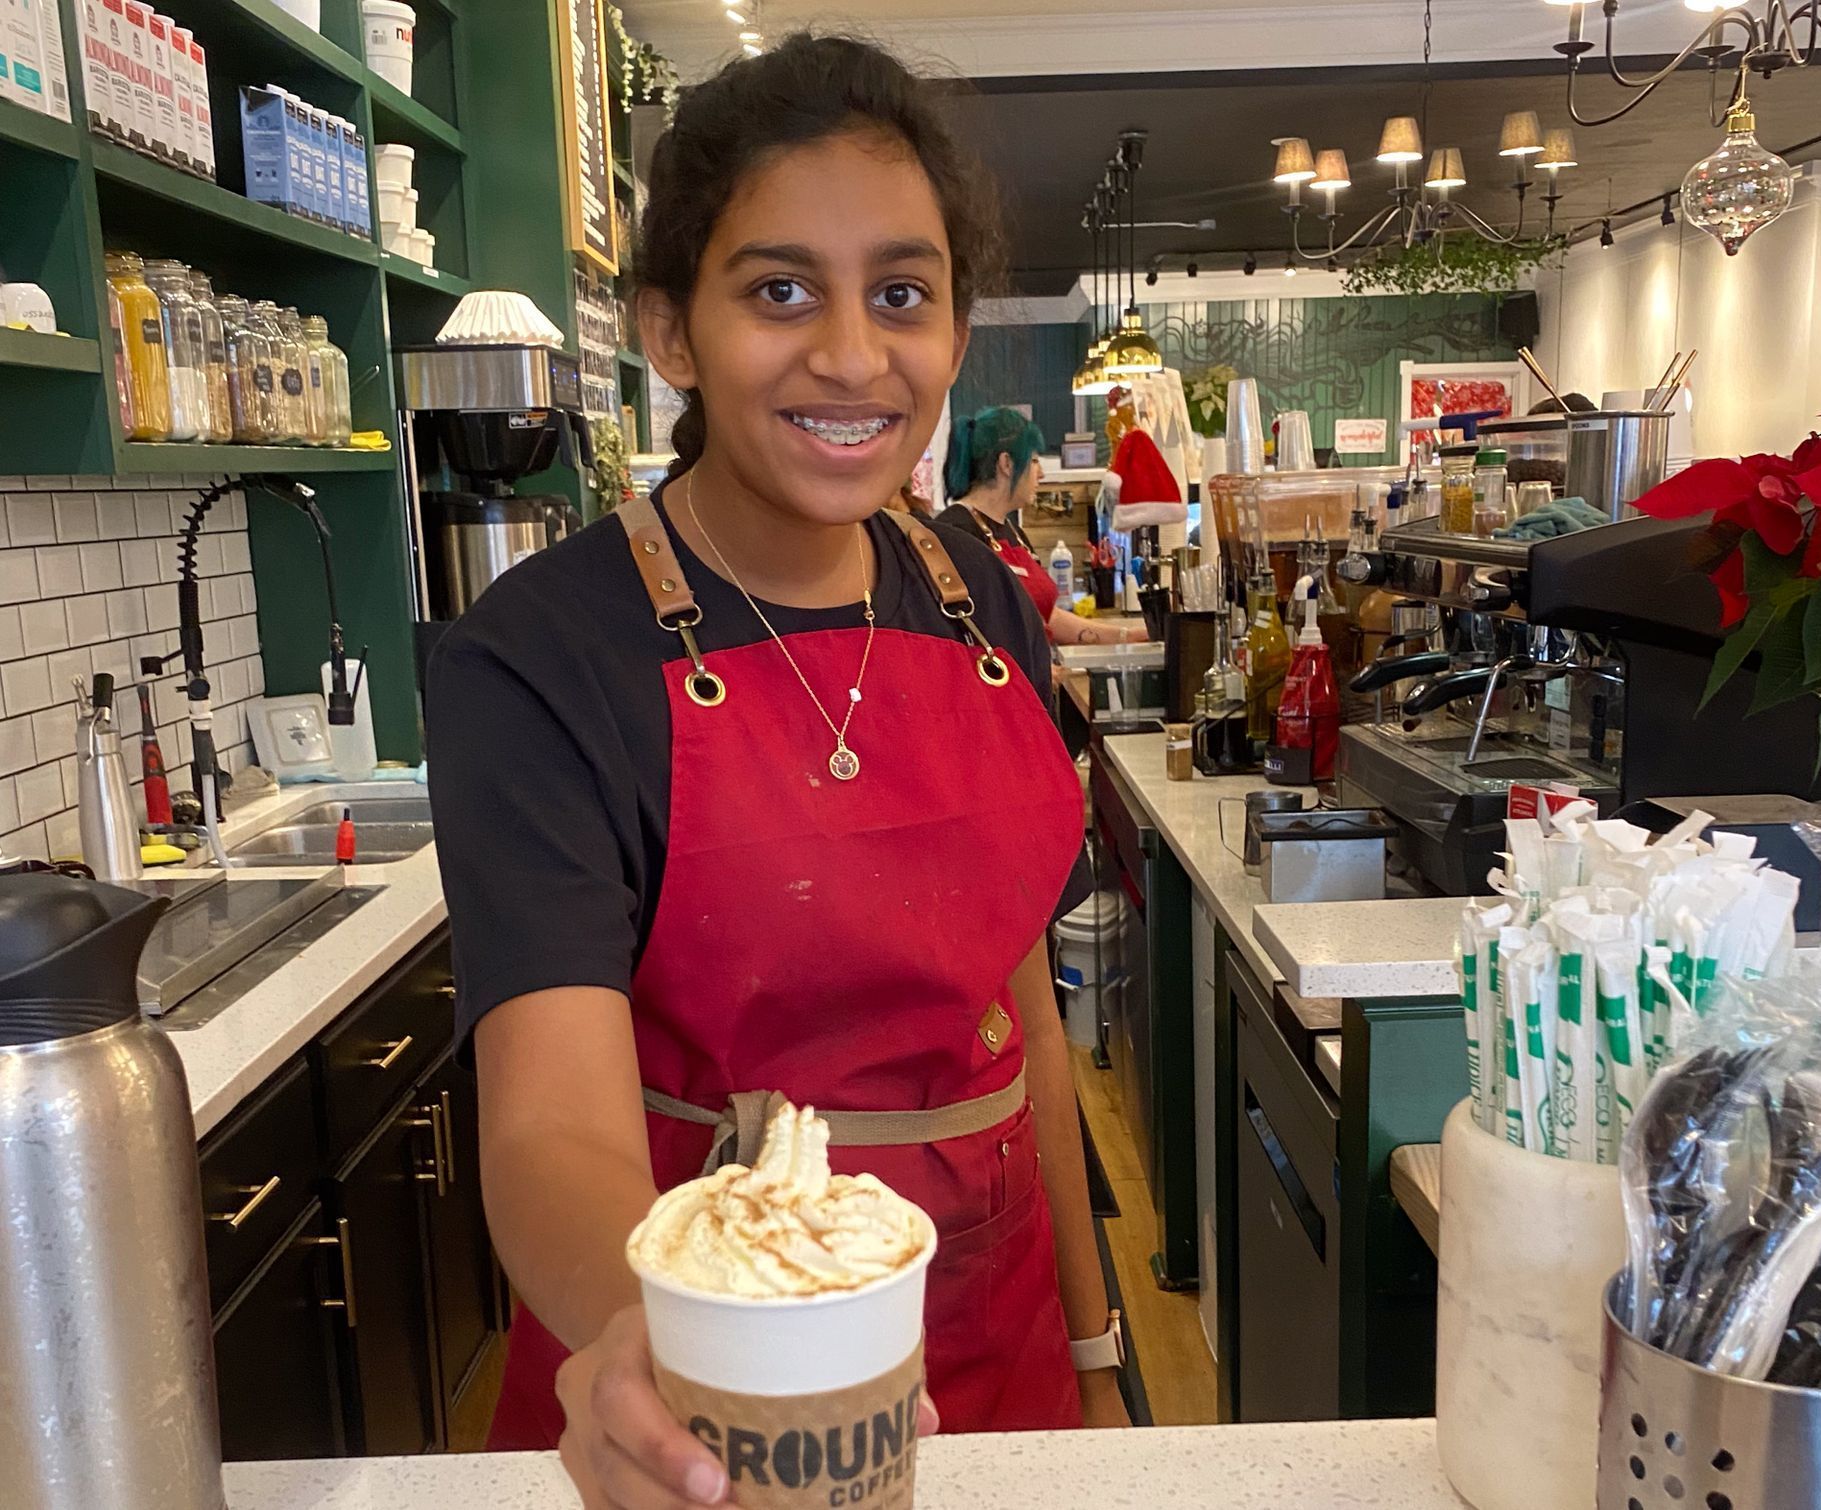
806	1400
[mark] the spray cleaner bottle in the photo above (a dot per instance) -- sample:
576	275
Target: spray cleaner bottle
1308	718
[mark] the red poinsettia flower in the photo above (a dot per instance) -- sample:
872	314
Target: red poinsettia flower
1774	514
1729	579
1705	485
1807	455
1811	557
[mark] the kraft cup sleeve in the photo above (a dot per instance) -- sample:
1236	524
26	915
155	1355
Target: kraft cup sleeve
853	1446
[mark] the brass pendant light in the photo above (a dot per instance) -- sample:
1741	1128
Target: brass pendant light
1132	350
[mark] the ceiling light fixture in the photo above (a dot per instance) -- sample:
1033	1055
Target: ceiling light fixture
1423	212
1091	379
1251	265
1193	269
1669	214
1606	231
1132	349
1741	187
735	16
1289	264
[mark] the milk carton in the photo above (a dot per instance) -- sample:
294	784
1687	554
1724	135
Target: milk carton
21	54
205	114
139	75
56	65
274	176
165	134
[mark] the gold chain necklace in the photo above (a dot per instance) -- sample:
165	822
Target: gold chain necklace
843	764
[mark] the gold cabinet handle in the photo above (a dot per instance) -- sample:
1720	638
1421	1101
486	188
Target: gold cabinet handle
392	1053
257	1196
344	1240
448	1136
438	1172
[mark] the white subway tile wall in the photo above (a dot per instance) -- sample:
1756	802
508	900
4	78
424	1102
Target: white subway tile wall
88	583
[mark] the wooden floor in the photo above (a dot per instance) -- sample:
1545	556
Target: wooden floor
1178	1369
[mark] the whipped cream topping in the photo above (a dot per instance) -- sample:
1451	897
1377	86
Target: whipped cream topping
785	1227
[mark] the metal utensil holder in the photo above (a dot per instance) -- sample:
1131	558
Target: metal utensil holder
1675	1436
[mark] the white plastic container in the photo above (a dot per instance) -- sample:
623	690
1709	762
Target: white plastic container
423	247
398	205
307	11
1098	920
396	239
388	27
123	115
1528	1243
22	43
355	752
205	114
139	75
395	163
167	137
56	66
97	70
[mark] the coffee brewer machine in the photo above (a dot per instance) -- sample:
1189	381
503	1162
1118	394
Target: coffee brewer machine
1580	660
476	419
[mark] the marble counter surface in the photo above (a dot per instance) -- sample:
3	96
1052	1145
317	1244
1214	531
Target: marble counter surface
1187	814
228	1058
1330	1465
1363	949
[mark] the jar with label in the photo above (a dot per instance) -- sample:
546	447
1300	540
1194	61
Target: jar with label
123	376
252	401
1491	510
142	332
1457	488
184	348
215	361
318	380
334	378
289	362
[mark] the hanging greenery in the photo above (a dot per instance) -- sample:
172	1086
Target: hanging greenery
1457	262
611	475
1206	392
646	75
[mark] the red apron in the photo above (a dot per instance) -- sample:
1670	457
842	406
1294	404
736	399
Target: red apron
844	943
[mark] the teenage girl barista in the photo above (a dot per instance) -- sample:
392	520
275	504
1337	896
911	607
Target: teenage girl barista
747	742
993	471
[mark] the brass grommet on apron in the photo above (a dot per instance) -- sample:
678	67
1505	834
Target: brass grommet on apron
991	668
705	689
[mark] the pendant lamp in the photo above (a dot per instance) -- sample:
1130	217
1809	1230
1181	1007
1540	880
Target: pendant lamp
1132	350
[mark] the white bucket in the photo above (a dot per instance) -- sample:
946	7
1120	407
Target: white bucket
423	248
398	205
394	163
396	239
1097	920
387	27
1528	1243
307	11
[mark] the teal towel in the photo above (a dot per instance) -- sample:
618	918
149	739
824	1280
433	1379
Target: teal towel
1563	516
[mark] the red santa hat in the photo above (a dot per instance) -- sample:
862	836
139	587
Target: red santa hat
1144	487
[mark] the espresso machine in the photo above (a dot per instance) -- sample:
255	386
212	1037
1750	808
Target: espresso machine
1578	661
476	419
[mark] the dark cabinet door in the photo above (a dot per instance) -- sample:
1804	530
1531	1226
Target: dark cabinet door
389	1369
275	1352
464	1279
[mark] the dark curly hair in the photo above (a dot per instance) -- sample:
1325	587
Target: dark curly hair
805	89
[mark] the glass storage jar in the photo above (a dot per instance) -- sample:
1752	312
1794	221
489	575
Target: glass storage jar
1491	510
289	363
142	328
316	390
215	355
186	357
1457	488
251	384
334	379
123	375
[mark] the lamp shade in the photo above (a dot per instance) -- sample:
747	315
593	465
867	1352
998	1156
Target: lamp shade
1401	141
1331	170
1558	150
1090	377
1294	163
1445	170
1521	135
1132	349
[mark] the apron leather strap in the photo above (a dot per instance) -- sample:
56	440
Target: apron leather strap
740	1125
657	563
933	554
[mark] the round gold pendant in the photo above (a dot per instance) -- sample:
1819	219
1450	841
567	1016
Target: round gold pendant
843	765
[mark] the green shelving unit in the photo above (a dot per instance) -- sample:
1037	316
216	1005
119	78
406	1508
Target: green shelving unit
30	348
163	459
402	270
20	127
399	118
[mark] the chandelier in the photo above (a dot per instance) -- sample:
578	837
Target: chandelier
1418	213
1126	348
1741	187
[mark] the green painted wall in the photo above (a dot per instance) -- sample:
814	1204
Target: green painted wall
1023	364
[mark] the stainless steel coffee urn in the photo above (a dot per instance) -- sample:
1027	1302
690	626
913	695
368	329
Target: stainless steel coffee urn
107	1373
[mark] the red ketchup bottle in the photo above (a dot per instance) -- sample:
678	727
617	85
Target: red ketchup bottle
1308	718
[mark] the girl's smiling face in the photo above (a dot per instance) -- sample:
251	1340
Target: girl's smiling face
822	331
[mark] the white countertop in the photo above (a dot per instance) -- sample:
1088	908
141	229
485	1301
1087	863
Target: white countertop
1364	949
227	1059
1187	814
1330	1465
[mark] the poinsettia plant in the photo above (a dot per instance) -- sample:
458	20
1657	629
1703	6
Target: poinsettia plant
1763	554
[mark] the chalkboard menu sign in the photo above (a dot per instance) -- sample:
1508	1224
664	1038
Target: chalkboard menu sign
588	139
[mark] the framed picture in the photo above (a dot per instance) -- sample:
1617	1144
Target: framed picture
1425	388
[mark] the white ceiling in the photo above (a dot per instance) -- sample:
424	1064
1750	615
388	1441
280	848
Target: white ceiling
1015	38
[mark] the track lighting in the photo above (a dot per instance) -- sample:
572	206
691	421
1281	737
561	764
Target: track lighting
1669	215
1251	265
1193	269
1606	232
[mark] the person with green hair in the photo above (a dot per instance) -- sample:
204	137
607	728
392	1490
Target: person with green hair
991	472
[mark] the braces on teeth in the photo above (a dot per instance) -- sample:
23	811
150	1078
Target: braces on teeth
839	432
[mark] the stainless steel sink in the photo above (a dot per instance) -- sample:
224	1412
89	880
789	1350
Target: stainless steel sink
386	830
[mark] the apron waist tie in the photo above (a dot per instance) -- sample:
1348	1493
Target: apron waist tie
739	1127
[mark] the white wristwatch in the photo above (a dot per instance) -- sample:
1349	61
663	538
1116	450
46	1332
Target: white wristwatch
1105	1351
